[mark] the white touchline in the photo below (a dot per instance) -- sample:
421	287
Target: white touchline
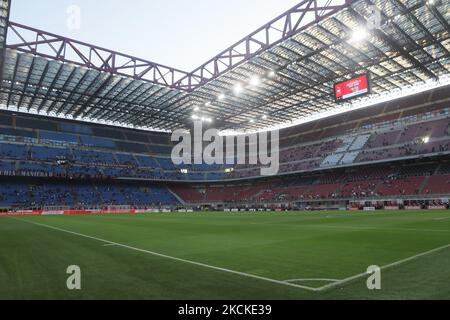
372	228
394	264
323	288
172	258
441	218
312	279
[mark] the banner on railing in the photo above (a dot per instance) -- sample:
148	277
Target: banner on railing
22	213
413	207
437	207
62	212
391	208
52	213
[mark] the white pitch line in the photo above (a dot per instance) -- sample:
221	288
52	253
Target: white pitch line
344	227
248	275
313	279
108	245
439	219
362	228
323	288
394	264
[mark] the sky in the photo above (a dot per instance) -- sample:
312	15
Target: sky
178	33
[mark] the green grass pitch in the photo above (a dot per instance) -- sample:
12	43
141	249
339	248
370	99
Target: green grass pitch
227	255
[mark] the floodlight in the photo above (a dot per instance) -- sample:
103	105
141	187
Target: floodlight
255	81
359	34
238	89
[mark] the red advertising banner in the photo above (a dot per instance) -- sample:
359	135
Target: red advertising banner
71	212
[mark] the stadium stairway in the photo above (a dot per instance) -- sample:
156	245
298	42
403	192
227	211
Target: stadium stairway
258	195
360	142
349	157
355	149
177	196
424	184
427	179
348	152
332	160
347	142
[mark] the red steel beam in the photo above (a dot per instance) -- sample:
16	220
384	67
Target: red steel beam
52	46
292	22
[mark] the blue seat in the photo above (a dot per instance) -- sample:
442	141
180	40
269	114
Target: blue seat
58	136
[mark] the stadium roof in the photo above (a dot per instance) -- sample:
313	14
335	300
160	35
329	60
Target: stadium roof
283	71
